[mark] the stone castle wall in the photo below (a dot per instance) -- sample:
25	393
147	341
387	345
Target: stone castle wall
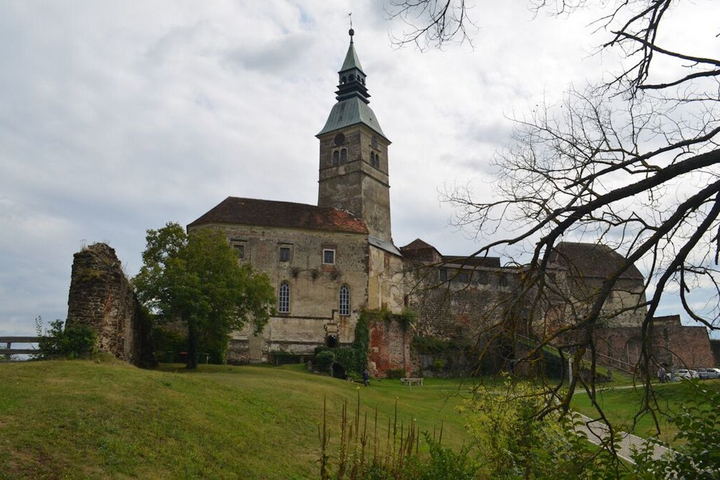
673	344
102	298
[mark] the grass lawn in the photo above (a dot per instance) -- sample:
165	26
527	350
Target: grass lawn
622	404
79	419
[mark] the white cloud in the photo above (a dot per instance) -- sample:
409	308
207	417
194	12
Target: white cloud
120	116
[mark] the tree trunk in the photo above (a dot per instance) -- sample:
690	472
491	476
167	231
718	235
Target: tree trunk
193	347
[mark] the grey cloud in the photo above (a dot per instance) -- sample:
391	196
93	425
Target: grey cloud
277	56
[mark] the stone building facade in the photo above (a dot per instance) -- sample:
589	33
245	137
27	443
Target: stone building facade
332	260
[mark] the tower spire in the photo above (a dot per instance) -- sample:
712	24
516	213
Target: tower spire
352	95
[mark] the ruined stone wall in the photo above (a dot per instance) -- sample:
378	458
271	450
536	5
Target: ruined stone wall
314	288
102	298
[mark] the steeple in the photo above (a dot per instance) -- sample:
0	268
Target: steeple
354	164
352	96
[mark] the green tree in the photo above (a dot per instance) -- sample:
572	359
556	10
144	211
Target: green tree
196	278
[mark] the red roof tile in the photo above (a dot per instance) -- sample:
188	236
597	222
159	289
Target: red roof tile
269	213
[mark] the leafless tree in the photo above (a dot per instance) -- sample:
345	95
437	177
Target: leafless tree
632	163
431	23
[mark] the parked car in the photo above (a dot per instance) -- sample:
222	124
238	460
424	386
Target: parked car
681	373
709	373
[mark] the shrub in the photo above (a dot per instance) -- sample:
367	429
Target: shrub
699	427
79	341
323	361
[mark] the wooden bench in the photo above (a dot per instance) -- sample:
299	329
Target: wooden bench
411	381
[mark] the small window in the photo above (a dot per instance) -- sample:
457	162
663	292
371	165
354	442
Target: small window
344	309
240	250
352	77
375	159
443	275
336	158
503	280
463	277
343	155
284	254
482	278
329	256
284	298
343	80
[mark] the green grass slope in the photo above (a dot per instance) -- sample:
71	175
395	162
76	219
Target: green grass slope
83	419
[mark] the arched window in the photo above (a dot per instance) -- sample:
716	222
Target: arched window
343	155
344	80
336	158
352	77
375	159
344	309
284	298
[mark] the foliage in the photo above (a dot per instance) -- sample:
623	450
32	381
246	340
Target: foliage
198	280
698	453
407	318
78	341
366	451
515	441
323	361
352	359
168	340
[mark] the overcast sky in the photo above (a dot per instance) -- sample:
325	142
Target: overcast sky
116	117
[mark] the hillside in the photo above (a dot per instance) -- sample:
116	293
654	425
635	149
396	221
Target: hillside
79	419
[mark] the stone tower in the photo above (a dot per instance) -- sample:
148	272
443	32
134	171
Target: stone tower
354	153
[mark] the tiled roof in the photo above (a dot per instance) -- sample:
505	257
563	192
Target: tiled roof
591	260
269	213
492	262
417	244
421	250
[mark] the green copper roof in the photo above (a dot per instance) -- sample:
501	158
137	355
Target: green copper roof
351	59
350	112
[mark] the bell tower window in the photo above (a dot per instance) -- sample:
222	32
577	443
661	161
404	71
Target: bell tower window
335	158
343	155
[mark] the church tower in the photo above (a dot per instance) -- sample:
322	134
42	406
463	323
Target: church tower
354	153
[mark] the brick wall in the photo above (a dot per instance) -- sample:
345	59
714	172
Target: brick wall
389	347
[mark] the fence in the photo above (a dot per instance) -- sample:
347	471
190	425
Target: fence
18	351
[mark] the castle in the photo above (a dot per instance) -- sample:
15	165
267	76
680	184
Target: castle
331	261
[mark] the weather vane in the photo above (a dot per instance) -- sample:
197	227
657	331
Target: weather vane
351	32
